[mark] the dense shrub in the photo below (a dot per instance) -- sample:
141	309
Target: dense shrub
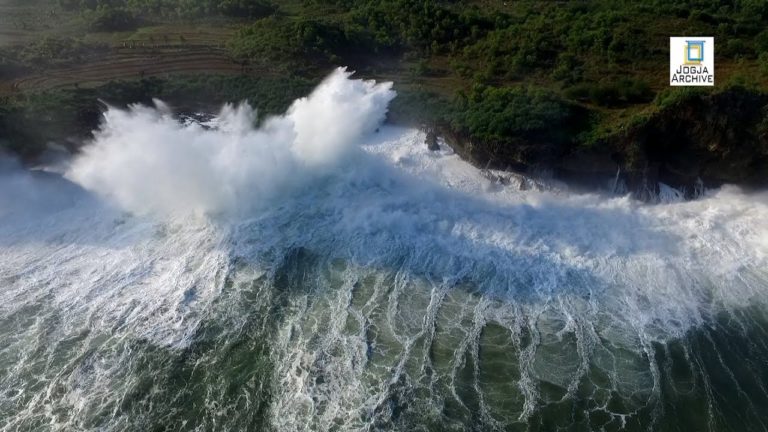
298	43
676	95
600	52
493	114
29	122
762	62
621	92
246	8
111	19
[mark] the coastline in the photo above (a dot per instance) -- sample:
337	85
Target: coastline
701	142
693	142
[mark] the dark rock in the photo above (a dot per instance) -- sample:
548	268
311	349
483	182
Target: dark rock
720	138
431	140
705	139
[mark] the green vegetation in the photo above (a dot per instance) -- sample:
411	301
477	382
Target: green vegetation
493	70
675	96
129	11
532	59
618	93
495	114
51	52
29	122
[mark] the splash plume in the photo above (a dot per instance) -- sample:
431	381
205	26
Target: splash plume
148	162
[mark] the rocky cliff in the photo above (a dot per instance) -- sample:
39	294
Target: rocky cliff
702	139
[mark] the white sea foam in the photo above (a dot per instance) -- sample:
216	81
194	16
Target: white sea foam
148	162
394	265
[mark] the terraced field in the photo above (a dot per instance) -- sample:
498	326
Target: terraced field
125	64
23	21
151	50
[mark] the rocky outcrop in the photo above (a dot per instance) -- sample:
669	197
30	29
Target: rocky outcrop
703	139
431	140
720	138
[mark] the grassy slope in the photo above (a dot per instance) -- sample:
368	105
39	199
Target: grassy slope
438	75
168	46
427	79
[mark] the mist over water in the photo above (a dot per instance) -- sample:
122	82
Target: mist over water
315	273
146	161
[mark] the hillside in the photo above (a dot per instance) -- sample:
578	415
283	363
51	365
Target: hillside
528	83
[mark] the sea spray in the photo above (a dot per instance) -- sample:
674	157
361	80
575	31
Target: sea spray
147	162
363	282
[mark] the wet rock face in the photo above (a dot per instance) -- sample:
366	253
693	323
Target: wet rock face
431	140
703	140
721	138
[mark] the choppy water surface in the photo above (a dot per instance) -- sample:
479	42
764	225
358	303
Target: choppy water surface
316	275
